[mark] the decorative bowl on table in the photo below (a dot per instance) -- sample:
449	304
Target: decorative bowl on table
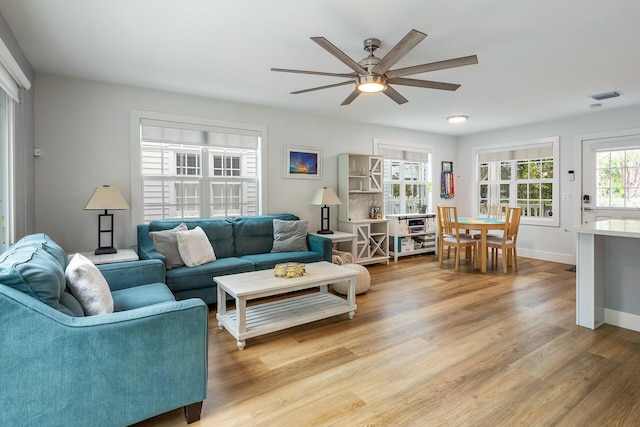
289	270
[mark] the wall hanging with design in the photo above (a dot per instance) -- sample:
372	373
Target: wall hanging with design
447	188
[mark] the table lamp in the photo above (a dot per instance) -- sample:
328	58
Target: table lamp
104	198
325	196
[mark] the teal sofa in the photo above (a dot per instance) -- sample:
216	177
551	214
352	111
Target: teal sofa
241	244
61	368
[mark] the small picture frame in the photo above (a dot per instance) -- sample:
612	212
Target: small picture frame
447	167
302	162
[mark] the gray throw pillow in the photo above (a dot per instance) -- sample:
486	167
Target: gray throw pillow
289	236
166	242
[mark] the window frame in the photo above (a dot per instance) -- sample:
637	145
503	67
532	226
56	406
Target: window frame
631	146
554	141
137	212
379	145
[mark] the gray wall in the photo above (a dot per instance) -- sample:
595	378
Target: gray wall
83	129
24	184
550	243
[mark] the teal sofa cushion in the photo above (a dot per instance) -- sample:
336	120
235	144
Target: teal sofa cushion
220	234
31	269
184	278
269	260
254	234
70	305
48	245
141	296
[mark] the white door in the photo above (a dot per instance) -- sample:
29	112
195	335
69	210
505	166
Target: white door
611	177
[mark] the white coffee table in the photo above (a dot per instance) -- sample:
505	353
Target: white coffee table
246	322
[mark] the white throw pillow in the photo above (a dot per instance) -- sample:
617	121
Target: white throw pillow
89	286
194	247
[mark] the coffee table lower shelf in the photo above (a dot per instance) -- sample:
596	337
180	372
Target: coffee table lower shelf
282	314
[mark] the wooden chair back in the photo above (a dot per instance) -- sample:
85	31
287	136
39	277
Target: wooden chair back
448	220
512	224
497	210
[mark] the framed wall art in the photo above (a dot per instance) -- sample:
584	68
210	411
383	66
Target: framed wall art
447	167
302	162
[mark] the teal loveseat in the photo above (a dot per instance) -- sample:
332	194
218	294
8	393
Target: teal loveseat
241	244
61	368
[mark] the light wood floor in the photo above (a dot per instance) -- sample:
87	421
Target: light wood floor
431	347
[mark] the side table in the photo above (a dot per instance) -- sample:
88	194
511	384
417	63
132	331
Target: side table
122	255
341	237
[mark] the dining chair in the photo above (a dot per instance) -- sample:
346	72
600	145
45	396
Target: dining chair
495	211
507	242
451	237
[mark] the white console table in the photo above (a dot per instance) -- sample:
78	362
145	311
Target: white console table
607	269
123	255
341	237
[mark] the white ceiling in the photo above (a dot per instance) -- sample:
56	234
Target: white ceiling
538	59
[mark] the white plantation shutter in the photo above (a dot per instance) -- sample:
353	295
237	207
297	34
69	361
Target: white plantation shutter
11	75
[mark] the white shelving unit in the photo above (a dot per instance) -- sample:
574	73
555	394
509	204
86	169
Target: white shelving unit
360	187
408	231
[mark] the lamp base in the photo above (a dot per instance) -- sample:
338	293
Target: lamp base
325	232
106	251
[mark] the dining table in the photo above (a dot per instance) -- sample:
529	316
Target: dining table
481	224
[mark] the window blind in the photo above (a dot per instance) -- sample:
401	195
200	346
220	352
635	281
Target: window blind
540	151
197	134
397	153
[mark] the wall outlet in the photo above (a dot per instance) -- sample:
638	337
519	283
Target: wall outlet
37	152
566	196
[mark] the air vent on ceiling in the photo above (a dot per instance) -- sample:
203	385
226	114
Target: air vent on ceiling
606	95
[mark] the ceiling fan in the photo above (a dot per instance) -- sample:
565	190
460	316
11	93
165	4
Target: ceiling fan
373	74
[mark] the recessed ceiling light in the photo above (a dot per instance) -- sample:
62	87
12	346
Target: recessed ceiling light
457	119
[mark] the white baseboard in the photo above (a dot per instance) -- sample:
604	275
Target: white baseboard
547	256
622	319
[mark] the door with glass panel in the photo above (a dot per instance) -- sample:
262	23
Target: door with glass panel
611	178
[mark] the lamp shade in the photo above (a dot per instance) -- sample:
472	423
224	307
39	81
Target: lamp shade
325	196
106	197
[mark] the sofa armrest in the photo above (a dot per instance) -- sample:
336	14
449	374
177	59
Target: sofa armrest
321	245
150	253
122	275
72	371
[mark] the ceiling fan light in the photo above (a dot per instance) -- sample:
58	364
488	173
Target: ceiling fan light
457	119
371	83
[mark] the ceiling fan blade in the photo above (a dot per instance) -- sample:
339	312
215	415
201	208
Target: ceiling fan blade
393	94
424	83
399	50
332	49
441	65
318	73
353	95
322	87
